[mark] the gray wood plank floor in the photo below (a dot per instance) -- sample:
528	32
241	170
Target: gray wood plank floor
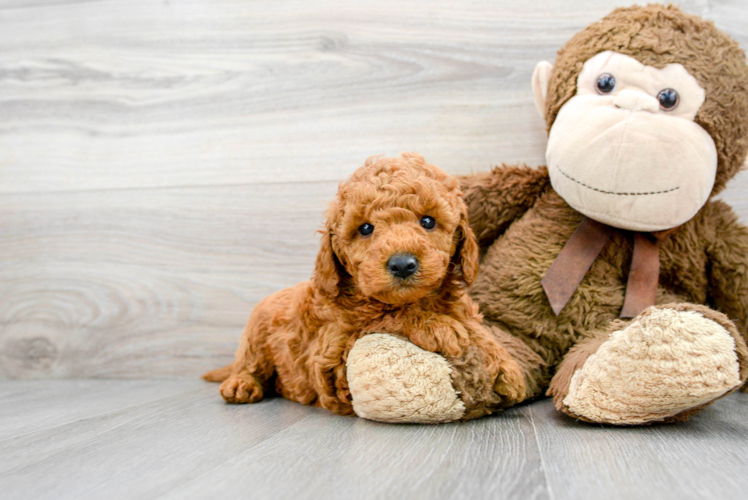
154	439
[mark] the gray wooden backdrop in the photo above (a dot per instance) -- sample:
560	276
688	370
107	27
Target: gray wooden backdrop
164	165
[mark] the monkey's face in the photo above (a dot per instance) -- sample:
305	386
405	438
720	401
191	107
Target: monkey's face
625	150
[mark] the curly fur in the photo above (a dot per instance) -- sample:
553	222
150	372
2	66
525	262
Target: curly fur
297	341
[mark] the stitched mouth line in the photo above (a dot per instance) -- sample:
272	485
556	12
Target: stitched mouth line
616	192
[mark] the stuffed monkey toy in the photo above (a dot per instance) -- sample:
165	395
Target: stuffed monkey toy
612	275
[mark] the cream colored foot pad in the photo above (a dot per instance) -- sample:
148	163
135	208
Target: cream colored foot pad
662	364
393	380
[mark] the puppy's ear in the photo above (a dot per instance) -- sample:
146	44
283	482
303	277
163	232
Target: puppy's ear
328	270
466	256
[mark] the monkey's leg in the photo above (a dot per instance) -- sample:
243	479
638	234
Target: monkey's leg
393	380
665	365
253	366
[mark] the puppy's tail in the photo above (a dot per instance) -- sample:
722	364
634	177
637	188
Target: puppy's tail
218	375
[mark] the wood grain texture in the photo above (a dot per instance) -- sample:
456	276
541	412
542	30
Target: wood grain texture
164	165
124	285
182	441
703	458
32	407
355	458
137	451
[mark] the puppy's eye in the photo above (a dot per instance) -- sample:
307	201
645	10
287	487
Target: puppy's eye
669	99
605	83
428	222
365	229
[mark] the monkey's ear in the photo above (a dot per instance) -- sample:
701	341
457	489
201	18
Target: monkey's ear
541	77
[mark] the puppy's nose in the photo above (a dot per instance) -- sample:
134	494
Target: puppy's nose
402	265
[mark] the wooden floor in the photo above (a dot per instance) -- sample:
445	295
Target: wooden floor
176	439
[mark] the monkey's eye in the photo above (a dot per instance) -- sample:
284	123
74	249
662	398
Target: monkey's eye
605	83
669	99
428	222
366	229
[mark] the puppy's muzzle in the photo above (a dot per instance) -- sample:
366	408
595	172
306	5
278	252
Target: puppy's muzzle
402	265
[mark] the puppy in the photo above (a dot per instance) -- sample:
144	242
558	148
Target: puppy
397	254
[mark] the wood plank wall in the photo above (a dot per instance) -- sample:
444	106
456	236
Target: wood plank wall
164	165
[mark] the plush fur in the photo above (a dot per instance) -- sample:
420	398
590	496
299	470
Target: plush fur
297	341
523	223
393	380
659	35
684	357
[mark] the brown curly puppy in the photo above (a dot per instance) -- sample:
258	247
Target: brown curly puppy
397	253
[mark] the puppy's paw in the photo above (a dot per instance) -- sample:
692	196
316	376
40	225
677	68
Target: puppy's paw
510	384
241	389
393	380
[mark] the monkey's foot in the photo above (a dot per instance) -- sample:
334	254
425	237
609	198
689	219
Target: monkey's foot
393	380
666	365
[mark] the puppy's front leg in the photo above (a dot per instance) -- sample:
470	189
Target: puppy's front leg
486	375
483	372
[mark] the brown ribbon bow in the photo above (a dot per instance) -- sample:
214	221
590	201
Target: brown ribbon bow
577	256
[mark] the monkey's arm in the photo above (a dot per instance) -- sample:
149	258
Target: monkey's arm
498	197
728	276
